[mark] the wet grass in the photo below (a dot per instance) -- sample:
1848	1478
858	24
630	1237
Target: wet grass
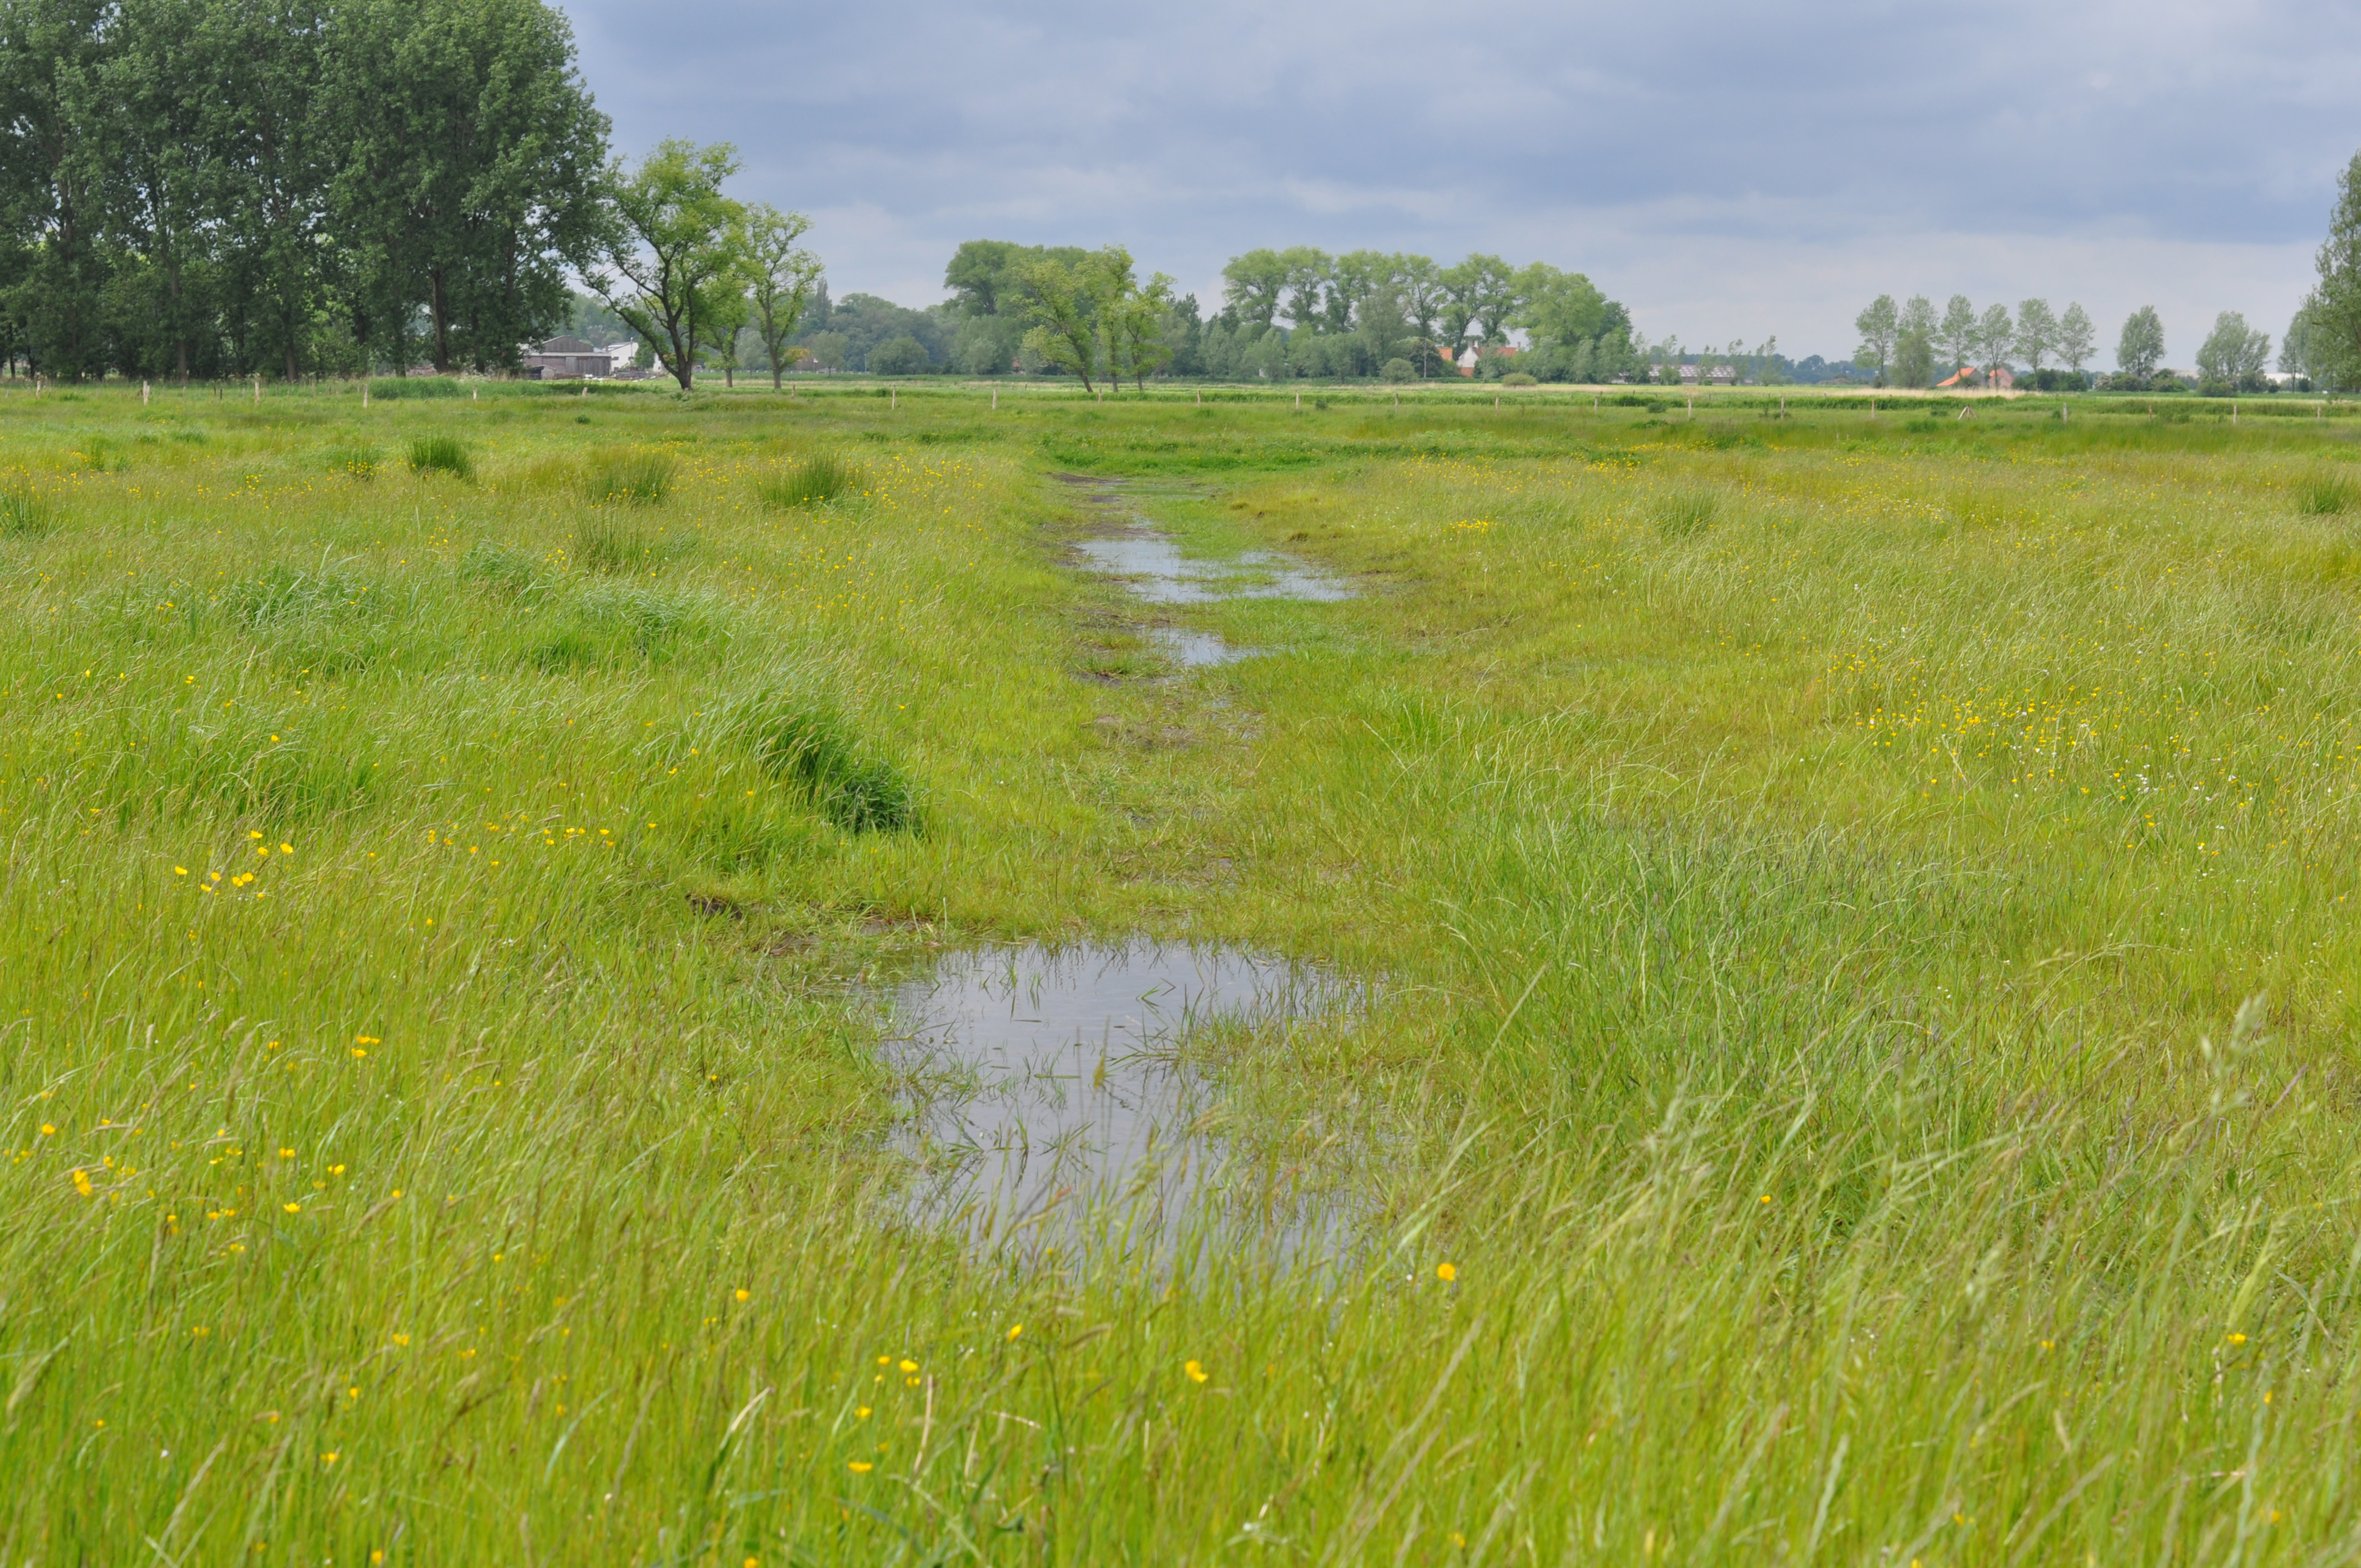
1858	1068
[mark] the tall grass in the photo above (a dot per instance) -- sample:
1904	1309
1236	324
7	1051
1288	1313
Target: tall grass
441	453
2324	495
1853	1065
808	739
638	479
25	512
809	481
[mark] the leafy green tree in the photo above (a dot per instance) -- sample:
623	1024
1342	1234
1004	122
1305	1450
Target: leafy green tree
1420	282
1995	331
2077	340
782	275
2296	350
1137	313
161	306
470	168
2233	354
1877	324
1914	342
676	250
2037	332
1307	270
1352	278
2332	312
1254	286
1061	298
1958	334
899	357
2140	346
1481	292
52	56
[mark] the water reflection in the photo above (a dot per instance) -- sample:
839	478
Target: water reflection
1153	568
1056	1106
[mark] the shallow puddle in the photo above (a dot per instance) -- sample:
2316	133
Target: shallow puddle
1196	649
1152	567
1054	1105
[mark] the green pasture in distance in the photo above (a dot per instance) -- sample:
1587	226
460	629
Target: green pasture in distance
1851	920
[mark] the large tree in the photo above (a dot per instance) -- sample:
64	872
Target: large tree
1061	298
2037	332
2332	312
1877	324
470	184
2140	346
2233	354
781	274
677	250
1914	341
1254	287
2077	340
1995	331
1957	336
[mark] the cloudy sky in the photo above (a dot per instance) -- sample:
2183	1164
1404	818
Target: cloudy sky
1727	171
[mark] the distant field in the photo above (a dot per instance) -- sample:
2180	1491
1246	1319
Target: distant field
1854	927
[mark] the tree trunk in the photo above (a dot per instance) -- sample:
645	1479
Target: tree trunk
442	321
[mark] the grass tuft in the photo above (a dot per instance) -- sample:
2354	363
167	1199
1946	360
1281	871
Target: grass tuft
634	478
796	735
2325	495
356	459
1687	511
821	477
26	512
444	454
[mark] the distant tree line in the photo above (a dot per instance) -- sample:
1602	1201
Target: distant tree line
1908	345
194	188
1284	315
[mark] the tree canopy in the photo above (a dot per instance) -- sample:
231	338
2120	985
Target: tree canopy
208	187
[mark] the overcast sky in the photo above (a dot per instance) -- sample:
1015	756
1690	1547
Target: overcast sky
1727	171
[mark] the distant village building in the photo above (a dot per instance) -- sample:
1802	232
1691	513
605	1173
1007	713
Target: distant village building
1968	376
568	360
1710	375
1474	356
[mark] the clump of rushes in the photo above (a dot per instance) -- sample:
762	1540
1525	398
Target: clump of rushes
1688	512
634	479
443	453
808	483
2325	495
26	512
797	736
609	544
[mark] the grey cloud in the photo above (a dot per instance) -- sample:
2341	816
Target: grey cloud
2202	140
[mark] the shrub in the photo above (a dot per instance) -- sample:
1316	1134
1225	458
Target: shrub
1397	370
2324	495
1518	378
810	742
1688	512
815	479
26	512
634	479
443	453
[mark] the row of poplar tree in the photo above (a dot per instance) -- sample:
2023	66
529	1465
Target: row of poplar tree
198	188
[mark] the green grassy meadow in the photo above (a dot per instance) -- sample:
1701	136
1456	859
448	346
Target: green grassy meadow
1860	916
